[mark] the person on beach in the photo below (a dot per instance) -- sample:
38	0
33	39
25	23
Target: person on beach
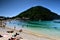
20	30
14	27
15	37
12	38
16	34
1	36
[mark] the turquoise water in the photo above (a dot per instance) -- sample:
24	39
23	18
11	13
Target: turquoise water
45	27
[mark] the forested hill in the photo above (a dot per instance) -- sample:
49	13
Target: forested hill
38	13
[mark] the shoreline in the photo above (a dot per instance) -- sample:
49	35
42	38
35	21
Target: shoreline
40	35
27	32
36	34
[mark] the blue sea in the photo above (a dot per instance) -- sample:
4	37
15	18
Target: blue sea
50	28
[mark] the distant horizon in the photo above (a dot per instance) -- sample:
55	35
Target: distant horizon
10	8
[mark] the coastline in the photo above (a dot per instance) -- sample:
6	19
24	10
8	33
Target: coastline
41	35
35	34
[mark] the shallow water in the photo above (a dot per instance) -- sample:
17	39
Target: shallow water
45	27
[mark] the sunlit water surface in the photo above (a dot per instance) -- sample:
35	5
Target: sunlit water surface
43	27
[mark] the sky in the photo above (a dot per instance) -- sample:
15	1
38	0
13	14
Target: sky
10	8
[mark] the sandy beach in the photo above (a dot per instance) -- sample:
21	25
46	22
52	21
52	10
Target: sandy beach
25	34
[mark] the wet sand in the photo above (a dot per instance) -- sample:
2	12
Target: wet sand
25	34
